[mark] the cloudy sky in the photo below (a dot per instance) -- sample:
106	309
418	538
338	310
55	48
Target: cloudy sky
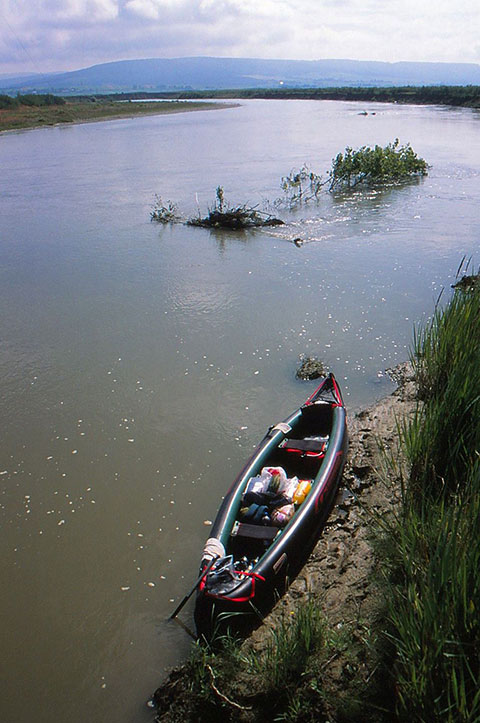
49	35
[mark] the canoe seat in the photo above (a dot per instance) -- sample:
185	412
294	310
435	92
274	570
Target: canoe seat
315	446
258	532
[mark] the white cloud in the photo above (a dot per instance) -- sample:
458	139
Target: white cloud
252	8
155	9
144	8
64	34
88	11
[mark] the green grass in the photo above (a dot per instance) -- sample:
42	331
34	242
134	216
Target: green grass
227	681
292	644
432	557
444	437
30	116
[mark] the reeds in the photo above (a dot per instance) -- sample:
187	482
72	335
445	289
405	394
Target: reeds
432	570
445	435
227	680
291	645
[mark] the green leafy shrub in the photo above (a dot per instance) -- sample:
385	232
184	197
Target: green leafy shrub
375	165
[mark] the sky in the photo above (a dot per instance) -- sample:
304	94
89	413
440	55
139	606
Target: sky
54	35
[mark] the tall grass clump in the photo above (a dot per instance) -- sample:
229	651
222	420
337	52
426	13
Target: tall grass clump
433	613
291	646
443	439
226	681
432	569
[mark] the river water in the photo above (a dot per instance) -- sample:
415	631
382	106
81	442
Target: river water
140	364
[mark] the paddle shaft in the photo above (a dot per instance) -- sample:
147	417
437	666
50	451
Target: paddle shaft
189	595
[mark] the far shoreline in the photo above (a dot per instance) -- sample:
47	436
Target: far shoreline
27	118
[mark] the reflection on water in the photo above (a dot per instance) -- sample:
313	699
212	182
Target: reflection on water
140	365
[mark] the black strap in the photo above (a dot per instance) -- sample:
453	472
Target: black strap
258	532
304	445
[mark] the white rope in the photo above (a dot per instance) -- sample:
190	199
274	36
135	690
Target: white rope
282	427
213	548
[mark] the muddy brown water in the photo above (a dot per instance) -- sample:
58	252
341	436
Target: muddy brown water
140	365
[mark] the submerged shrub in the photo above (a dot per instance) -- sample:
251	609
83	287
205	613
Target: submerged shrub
302	186
233	217
375	165
164	213
365	165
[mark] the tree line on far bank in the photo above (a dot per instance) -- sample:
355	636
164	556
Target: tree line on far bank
467	96
30	99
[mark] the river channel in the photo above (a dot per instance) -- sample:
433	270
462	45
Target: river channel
140	364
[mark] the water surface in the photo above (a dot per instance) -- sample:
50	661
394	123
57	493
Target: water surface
140	364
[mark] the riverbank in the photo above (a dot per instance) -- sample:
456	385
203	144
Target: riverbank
26	117
447	95
383	623
338	577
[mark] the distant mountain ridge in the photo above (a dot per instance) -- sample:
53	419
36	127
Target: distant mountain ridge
204	73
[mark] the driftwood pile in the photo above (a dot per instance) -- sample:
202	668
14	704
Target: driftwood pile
235	218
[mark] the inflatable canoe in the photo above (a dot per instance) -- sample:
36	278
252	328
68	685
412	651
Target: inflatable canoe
274	512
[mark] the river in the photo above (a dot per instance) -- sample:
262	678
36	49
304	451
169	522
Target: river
140	364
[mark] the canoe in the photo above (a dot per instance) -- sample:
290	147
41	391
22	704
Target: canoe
263	532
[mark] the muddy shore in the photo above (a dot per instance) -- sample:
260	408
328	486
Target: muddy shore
338	574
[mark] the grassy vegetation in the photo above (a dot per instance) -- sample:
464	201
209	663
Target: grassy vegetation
433	546
29	112
287	653
229	683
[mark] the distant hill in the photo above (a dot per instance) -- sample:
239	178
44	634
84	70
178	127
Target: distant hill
9	80
163	74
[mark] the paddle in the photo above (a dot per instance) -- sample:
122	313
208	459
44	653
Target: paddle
188	595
